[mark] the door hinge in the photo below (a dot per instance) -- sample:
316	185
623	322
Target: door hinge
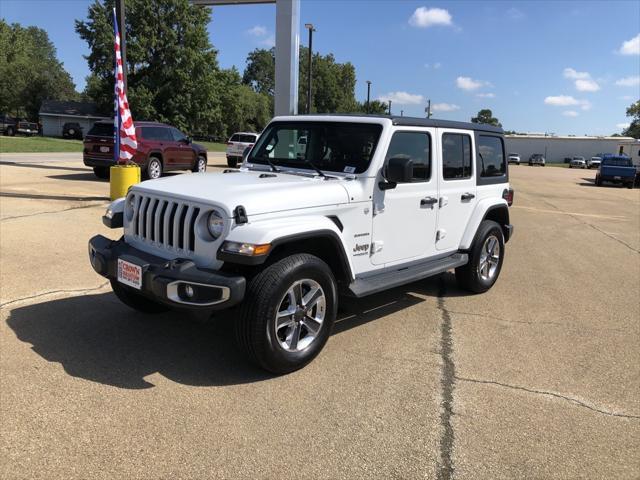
377	246
440	234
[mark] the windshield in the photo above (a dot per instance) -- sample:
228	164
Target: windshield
331	146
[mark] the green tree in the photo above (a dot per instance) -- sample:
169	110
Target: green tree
30	71
261	71
173	73
633	130
486	116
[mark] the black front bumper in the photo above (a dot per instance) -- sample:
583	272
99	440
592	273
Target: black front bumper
166	281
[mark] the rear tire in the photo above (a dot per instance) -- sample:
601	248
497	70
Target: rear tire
10	132
154	169
101	172
485	259
598	181
137	301
274	339
232	162
200	165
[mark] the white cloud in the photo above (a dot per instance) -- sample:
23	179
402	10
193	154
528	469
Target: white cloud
402	98
469	84
582	80
486	95
588	85
257	31
628	81
630	47
572	74
424	17
570	113
435	66
622	126
626	97
270	41
444	107
567	101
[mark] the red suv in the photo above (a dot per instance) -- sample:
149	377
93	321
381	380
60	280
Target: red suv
160	148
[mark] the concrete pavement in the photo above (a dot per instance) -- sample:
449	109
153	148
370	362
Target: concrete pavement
538	378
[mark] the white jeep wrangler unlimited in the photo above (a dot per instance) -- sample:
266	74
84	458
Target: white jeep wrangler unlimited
363	204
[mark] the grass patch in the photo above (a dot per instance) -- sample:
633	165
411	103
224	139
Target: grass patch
38	144
55	145
213	147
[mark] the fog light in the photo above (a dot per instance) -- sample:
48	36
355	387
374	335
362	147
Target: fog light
188	291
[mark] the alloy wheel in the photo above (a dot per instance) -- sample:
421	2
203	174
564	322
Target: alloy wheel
300	315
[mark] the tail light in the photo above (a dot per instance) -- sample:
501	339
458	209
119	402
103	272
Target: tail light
507	194
229	144
250	145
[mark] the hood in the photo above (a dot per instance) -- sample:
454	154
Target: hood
274	192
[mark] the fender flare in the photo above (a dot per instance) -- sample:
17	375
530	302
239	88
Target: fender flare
483	208
282	232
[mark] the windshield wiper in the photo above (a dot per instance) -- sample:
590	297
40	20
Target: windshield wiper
320	172
271	164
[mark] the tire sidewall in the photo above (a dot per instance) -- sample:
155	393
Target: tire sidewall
154	160
204	162
487	228
279	358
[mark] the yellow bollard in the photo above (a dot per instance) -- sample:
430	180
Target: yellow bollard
122	177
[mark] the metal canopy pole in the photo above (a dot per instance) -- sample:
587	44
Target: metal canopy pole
287	49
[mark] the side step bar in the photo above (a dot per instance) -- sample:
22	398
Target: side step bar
362	287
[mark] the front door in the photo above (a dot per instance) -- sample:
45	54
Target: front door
457	187
405	217
184	154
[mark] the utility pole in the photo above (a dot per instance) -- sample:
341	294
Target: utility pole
368	95
309	26
402	113
428	109
389	107
123	39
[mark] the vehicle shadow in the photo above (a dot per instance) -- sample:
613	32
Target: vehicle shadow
97	338
87	177
42	166
587	182
35	196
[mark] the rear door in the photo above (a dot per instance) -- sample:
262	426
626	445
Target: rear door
457	187
405	217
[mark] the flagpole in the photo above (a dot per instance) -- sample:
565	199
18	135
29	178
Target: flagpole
116	118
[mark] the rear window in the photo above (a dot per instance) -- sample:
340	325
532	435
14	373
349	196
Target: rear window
243	138
490	151
617	162
102	130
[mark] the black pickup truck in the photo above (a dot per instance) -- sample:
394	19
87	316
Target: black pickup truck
616	169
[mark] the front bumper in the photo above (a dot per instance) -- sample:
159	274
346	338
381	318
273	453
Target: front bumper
165	281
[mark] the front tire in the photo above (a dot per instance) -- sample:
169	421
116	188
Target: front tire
136	301
598	181
288	313
232	162
101	172
485	259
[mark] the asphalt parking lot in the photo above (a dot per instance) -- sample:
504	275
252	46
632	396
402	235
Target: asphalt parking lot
538	378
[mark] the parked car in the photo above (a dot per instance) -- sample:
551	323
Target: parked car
568	159
594	162
236	146
160	148
7	125
72	130
360	211
616	169
537	159
514	158
578	162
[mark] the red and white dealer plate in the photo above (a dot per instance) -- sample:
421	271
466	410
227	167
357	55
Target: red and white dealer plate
130	274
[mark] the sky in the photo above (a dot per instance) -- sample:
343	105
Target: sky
544	66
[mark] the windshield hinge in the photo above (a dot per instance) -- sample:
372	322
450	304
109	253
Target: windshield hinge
240	215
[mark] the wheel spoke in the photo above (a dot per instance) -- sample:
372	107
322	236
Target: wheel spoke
491	245
312	324
297	290
311	298
295	336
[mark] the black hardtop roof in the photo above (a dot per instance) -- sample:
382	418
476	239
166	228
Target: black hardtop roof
423	122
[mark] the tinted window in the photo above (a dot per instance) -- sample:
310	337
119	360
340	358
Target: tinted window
331	146
102	130
456	156
178	136
617	162
246	138
415	146
156	133
235	138
491	157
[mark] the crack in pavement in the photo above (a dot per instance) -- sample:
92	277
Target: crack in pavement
550	394
54	211
622	242
53	292
445	466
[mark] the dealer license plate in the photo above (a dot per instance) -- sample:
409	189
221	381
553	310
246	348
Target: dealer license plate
617	177
129	274
105	149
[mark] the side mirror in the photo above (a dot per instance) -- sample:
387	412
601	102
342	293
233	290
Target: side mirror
399	170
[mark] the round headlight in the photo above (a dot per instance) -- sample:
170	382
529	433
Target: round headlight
215	224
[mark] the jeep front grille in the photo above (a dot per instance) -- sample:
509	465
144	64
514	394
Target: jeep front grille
164	223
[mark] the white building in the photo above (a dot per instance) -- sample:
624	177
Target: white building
556	148
54	114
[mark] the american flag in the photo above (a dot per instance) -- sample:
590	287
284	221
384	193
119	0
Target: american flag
125	141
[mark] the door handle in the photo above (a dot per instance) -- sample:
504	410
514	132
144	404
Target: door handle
467	196
428	201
